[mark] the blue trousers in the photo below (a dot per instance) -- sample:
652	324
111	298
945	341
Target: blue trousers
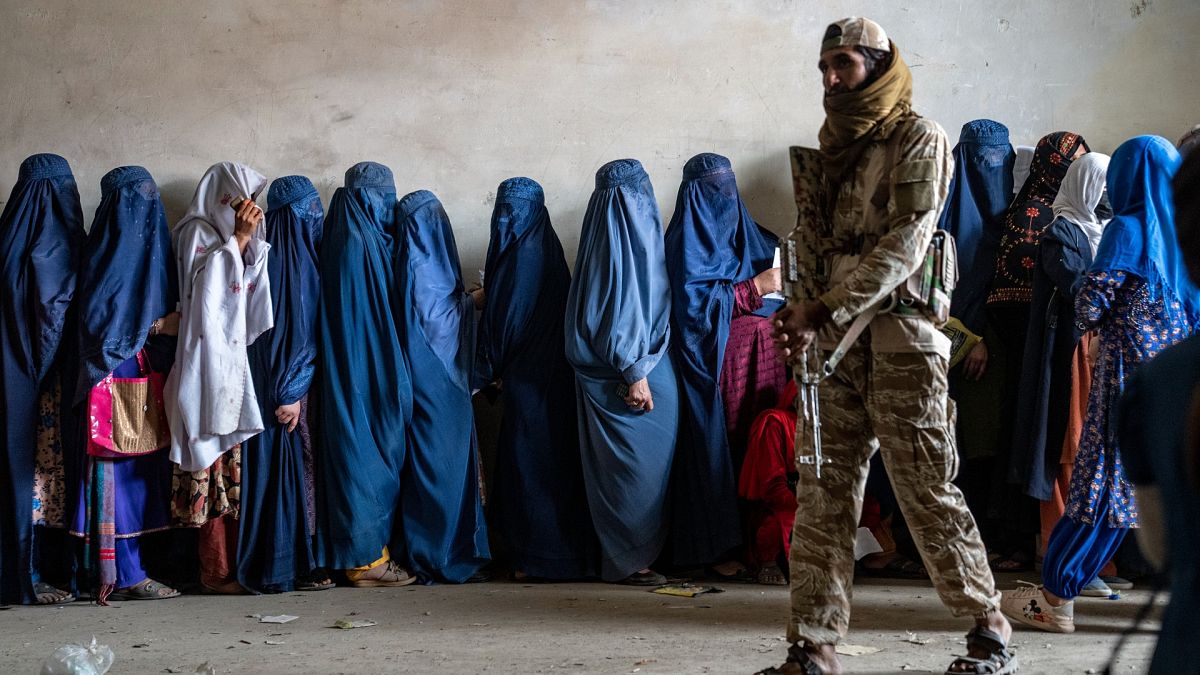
1077	552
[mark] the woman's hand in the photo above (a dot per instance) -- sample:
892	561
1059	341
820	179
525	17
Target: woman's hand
166	325
639	397
478	296
769	281
288	414
975	362
245	222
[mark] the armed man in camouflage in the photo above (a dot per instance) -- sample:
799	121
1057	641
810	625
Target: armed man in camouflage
886	171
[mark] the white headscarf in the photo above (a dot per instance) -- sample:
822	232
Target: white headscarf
1021	166
222	184
1080	193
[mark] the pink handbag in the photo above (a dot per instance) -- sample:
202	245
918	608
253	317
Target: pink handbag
126	415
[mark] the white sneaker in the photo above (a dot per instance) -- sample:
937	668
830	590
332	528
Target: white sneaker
1096	588
1028	605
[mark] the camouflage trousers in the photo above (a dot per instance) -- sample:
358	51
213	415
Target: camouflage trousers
898	404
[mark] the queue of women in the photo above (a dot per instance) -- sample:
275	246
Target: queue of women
296	383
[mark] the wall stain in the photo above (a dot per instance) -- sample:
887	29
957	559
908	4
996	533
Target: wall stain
1138	8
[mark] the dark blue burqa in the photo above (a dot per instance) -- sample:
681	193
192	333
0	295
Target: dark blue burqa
980	191
127	280
274	548
618	327
127	276
540	503
711	244
364	394
443	505
40	233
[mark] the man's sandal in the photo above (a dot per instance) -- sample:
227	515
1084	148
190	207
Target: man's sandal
799	662
999	661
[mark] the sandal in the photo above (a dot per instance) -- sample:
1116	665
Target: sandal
322	584
741	576
57	596
999	660
1017	562
146	590
798	663
899	567
771	575
647	578
394	576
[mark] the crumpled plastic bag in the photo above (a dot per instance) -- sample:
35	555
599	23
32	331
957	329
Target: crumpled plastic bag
95	659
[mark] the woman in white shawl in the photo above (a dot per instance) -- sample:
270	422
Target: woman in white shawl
225	303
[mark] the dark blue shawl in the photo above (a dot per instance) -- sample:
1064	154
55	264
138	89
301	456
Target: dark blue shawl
980	191
711	244
1141	239
541	507
40	233
443	509
274	547
127	277
364	393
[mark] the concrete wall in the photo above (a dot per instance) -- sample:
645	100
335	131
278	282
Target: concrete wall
456	96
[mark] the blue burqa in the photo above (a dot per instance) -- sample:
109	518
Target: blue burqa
40	233
443	503
127	280
1140	239
980	191
540	504
711	244
618	327
274	548
364	394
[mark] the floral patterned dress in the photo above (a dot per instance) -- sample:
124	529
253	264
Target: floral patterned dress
1136	320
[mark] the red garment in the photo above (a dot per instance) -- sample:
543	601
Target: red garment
218	551
770	459
752	374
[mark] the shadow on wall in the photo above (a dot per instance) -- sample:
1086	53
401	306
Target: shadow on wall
176	196
769	198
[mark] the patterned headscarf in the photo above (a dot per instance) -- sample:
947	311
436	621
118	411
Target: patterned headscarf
1030	213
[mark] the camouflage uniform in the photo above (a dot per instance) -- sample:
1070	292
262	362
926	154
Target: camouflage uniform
889	393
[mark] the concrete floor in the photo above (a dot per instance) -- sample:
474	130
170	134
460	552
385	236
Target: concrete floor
516	628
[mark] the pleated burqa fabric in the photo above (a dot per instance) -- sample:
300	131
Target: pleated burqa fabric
274	546
539	500
711	244
444	529
363	390
40	234
127	281
617	334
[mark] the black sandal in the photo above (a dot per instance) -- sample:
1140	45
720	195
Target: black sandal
798	663
1000	661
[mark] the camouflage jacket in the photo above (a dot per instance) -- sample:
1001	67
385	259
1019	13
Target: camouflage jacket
880	224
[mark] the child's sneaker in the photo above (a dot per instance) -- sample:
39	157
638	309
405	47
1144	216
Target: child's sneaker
1028	605
1096	588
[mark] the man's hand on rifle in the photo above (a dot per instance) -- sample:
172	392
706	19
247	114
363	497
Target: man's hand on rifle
796	327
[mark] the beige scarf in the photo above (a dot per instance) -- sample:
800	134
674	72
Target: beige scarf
853	119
